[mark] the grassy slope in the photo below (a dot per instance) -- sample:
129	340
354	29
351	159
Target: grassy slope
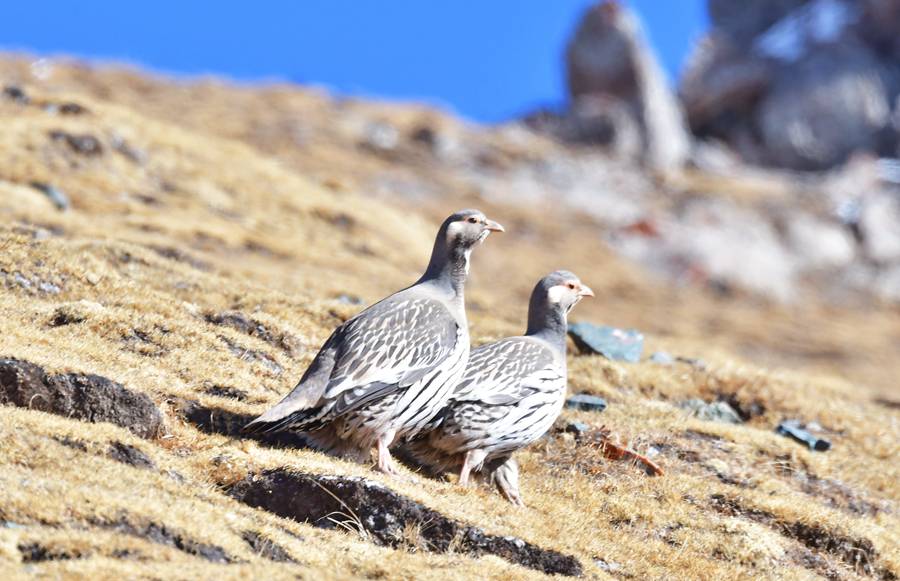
203	223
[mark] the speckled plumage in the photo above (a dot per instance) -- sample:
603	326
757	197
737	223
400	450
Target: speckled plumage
511	393
387	371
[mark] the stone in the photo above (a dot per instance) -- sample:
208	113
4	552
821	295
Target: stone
586	402
90	398
610	56
128	454
383	517
612	343
795	430
879	225
818	244
825	107
83	144
59	199
717	411
662	358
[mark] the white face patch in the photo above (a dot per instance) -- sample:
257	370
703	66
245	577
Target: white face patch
556	293
454	230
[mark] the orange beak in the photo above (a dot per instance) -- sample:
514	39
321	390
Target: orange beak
494	226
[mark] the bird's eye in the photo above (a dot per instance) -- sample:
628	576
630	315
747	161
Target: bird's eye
571	286
472	220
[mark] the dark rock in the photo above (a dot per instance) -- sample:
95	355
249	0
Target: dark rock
384	517
59	199
586	402
743	21
72	109
82	144
219	421
225	391
721	83
179	255
612	343
130	455
90	398
267	548
244	324
252	355
72	443
857	552
37	553
163	535
16	94
825	107
793	429
577	428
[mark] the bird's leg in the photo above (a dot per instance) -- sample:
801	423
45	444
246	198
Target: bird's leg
506	477
472	460
385	462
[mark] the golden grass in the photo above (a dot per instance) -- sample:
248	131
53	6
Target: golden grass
218	218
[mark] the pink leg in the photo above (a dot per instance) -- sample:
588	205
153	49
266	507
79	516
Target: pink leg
472	461
385	462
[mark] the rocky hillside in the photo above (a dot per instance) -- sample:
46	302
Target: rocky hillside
173	252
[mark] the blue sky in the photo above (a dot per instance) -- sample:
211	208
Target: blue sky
488	60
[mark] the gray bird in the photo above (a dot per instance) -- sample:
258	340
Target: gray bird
386	372
511	393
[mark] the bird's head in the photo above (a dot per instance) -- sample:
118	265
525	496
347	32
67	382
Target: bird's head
562	290
468	228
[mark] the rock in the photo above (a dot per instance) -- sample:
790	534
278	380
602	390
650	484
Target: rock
818	244
16	94
59	199
594	120
887	284
74	313
825	107
90	398
717	411
662	358
609	56
85	144
721	83
744	21
578	428
794	429
384	517
127	454
244	324
612	343
267	548
879	225
163	535
586	402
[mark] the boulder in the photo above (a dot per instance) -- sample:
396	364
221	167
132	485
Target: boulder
825	107
91	398
879	225
609	56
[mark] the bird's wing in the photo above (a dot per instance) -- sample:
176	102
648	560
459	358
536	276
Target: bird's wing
505	372
385	348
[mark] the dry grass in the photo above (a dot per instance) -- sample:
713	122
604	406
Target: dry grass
215	216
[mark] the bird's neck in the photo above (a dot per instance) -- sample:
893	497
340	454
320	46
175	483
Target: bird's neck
448	267
549	324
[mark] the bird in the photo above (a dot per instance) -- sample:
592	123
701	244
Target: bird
510	394
384	373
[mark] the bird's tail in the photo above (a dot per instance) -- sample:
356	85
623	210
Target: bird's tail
269	423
